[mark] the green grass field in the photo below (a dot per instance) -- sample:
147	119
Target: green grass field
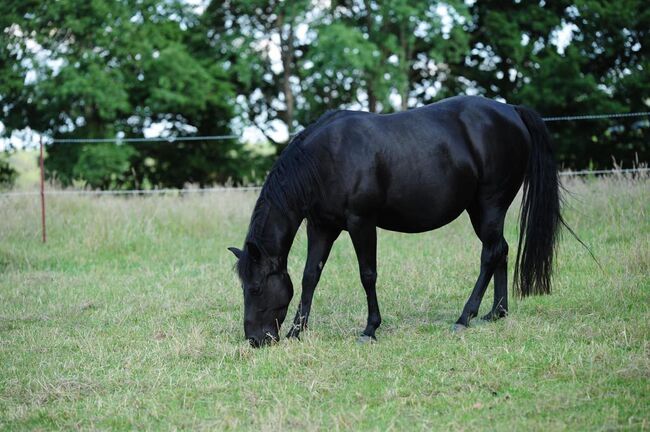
131	318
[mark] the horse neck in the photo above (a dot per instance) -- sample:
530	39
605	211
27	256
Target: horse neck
277	231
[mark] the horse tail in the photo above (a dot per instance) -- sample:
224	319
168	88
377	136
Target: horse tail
540	215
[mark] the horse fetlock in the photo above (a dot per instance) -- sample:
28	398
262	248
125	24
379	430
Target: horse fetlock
298	325
373	323
495	314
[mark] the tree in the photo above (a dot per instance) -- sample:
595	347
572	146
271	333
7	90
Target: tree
115	67
103	68
516	54
408	43
336	71
259	38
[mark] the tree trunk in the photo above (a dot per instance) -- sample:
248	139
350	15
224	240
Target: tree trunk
372	100
287	56
372	97
288	95
405	97
405	66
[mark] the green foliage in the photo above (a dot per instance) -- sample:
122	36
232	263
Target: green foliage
367	52
106	68
246	32
604	69
339	63
8	174
104	165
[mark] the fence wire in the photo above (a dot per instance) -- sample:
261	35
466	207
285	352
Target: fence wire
180	192
257	188
602	172
173	139
135	191
597	116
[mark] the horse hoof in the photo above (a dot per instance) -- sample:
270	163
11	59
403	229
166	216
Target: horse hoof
365	339
458	328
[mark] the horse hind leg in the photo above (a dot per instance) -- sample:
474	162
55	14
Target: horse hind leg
500	305
488	224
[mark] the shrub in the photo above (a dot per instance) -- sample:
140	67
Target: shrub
8	174
104	166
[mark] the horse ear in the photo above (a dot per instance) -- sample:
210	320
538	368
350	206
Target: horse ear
238	252
253	251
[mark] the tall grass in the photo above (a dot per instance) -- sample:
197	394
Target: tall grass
130	317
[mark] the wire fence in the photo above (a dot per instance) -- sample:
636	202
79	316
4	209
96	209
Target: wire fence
211	190
172	139
180	192
618	171
136	191
597	116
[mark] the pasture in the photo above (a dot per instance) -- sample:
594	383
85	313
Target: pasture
130	317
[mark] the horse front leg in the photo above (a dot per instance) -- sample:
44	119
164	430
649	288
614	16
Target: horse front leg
364	238
319	244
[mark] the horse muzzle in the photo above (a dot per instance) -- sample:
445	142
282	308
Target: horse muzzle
267	339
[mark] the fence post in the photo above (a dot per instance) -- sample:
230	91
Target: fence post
42	192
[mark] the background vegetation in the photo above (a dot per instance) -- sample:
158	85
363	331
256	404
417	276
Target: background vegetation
114	67
130	317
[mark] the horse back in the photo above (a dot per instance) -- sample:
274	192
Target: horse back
417	170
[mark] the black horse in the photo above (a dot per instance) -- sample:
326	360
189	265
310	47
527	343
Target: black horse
411	172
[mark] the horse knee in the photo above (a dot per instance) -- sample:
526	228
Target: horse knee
368	279
310	278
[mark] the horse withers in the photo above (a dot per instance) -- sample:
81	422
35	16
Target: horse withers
411	172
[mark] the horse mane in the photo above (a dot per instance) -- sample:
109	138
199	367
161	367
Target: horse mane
291	186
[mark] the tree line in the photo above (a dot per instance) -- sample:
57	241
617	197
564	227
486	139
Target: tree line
104	68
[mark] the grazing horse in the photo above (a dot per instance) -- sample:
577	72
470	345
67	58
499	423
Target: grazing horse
410	172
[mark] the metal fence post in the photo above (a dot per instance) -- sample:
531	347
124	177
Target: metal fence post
42	193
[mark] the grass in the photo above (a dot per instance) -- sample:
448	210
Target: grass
130	317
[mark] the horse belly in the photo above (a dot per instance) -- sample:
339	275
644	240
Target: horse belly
399	222
421	208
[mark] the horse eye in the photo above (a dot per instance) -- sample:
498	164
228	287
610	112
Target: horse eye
255	289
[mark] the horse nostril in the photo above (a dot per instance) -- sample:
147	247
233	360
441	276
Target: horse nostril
270	338
254	342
